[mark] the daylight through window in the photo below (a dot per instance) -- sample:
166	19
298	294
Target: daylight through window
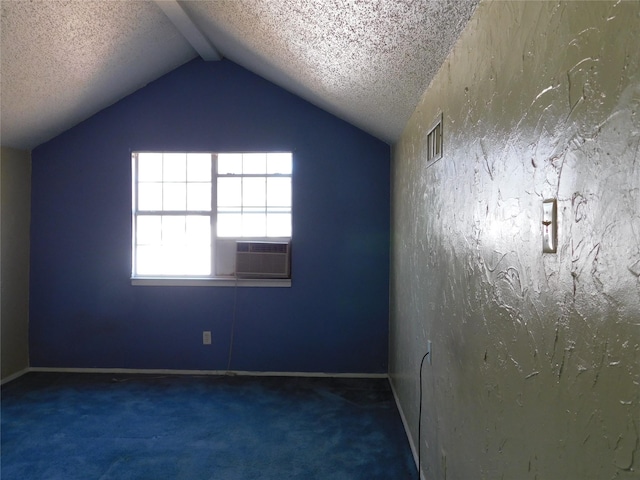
189	208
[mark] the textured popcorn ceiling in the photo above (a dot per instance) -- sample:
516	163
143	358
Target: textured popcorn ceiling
365	61
62	61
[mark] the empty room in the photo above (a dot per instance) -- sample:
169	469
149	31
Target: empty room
341	239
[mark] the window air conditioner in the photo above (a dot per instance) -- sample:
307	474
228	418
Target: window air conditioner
263	259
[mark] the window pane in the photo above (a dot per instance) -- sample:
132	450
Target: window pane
229	192
229	163
197	261
198	231
147	260
254	163
173	230
254	225
180	261
175	167
279	163
279	225
172	258
150	196
149	167
229	225
279	191
254	192
199	167
180	253
148	230
174	196
199	196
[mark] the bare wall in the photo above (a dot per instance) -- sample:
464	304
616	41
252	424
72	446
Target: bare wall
83	310
15	173
536	357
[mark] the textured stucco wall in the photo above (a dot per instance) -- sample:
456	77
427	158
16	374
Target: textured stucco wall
15	174
536	357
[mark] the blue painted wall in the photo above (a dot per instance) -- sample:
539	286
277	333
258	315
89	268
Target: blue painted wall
84	312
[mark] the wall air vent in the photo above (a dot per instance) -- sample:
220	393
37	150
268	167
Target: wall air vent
434	141
263	259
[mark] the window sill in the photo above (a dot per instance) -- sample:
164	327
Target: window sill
210	282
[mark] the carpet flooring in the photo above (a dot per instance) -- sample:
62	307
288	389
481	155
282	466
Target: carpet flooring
100	426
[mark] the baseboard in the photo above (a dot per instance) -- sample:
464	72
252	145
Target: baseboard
414	452
160	371
14	376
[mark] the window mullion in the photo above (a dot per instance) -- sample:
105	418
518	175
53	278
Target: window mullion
168	213
213	219
134	217
162	181
186	189
186	196
266	219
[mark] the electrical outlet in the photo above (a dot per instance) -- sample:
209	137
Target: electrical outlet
206	337
430	352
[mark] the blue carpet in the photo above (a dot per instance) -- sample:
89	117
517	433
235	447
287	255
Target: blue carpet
98	426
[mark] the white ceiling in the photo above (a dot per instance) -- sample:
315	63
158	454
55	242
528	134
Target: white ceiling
366	61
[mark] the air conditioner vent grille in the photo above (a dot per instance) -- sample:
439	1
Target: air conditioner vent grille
263	259
262	247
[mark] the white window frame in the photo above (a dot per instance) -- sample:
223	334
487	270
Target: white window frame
220	246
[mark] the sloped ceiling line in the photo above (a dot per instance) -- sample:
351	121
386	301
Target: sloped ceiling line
365	61
183	22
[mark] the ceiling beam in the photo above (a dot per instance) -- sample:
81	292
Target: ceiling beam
183	22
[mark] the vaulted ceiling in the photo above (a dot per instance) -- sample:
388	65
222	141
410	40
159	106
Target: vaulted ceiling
366	61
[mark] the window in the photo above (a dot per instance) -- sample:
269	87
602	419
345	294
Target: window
189	209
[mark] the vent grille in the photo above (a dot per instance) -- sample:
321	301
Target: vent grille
263	260
262	247
434	141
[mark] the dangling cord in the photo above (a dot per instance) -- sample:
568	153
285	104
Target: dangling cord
420	421
233	325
